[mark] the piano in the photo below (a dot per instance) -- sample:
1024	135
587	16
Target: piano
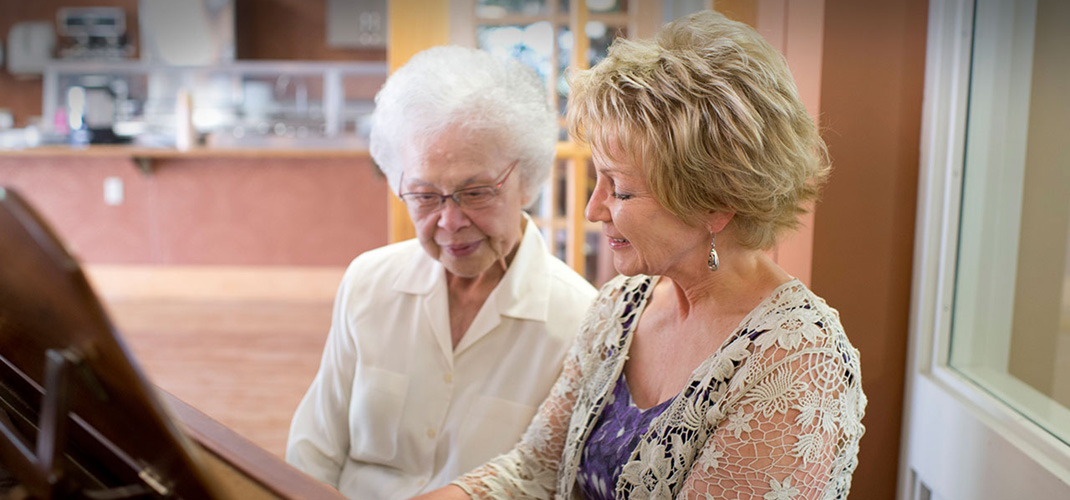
79	418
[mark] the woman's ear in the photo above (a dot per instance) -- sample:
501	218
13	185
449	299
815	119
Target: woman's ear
716	221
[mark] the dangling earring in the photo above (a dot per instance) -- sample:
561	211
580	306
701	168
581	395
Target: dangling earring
713	262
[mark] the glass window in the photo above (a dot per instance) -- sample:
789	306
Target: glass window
599	36
502	8
1011	318
531	44
600	6
537	33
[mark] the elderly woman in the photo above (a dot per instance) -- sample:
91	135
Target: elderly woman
441	348
706	371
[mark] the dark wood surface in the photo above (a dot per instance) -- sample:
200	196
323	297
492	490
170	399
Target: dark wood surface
48	308
121	428
255	467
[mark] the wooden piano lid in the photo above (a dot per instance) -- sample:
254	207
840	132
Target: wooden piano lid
118	433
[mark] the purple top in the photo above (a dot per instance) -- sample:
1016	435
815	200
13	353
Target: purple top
613	438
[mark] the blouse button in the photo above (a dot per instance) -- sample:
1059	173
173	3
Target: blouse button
431	433
448	378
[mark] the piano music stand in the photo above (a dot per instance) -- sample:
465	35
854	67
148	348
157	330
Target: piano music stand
78	419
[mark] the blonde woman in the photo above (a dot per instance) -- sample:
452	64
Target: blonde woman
705	371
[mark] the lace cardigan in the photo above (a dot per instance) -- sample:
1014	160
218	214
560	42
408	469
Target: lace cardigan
774	414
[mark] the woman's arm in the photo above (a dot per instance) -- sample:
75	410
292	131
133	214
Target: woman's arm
319	433
448	492
784	436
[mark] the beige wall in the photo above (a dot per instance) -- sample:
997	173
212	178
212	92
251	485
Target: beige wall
1042	251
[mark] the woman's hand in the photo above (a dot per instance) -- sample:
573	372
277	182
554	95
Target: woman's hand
448	492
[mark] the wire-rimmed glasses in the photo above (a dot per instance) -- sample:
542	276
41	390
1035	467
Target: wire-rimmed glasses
472	198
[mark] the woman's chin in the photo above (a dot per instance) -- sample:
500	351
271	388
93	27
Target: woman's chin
627	268
466	267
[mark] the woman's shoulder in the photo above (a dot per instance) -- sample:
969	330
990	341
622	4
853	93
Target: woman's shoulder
616	294
616	300
793	337
383	266
795	318
393	253
797	298
566	282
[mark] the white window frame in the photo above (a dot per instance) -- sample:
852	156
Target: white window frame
959	441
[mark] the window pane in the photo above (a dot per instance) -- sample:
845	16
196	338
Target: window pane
1011	320
600	6
531	44
501	8
599	35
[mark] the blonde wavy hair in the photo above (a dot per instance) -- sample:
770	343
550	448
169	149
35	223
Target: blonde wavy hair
709	110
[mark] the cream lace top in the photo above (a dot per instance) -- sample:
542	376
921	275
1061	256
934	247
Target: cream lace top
774	414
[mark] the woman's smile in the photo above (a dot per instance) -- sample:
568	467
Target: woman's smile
461	249
617	243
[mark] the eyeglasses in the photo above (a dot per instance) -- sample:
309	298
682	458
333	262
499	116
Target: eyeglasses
473	198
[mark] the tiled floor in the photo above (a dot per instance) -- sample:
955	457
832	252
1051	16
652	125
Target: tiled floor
245	364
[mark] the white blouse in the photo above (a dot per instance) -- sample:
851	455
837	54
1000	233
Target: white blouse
395	410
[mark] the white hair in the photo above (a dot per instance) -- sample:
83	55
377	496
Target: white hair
447	87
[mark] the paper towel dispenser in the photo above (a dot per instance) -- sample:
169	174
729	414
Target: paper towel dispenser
186	32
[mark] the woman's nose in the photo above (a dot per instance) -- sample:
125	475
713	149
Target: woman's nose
596	210
451	217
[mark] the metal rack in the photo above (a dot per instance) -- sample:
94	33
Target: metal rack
250	103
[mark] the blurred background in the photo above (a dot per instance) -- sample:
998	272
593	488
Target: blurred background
207	162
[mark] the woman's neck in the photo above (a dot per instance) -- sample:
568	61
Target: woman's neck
745	277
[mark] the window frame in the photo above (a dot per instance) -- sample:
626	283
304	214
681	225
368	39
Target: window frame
946	413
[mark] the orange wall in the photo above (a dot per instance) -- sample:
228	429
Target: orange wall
795	28
209	212
871	95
